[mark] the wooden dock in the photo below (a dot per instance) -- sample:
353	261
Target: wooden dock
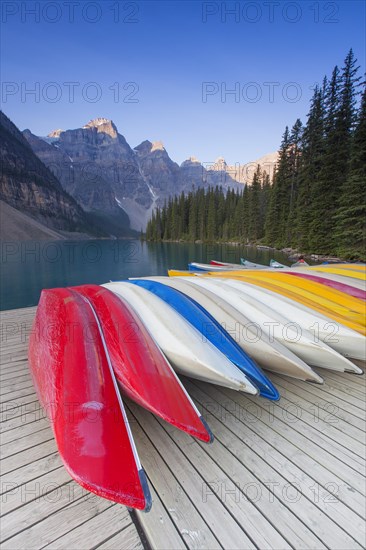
279	475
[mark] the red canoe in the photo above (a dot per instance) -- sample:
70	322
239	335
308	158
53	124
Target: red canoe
144	374
214	262
76	385
348	289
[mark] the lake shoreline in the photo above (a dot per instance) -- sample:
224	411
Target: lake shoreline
293	254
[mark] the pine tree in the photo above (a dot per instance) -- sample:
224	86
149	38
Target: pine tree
211	217
265	195
340	100
278	206
309	169
295	152
254	222
317	198
351	217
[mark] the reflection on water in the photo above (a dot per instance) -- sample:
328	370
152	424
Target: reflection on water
27	267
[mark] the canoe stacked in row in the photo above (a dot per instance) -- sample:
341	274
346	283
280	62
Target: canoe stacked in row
93	346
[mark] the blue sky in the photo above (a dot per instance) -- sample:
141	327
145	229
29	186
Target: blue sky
160	70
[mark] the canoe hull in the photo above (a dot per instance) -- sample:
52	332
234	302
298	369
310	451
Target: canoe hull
342	339
183	345
211	330
75	383
271	356
299	341
142	370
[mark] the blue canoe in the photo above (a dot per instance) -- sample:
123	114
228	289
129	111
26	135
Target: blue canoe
207	325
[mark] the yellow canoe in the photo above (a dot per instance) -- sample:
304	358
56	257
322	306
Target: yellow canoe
354	273
178	273
340	314
318	290
356	267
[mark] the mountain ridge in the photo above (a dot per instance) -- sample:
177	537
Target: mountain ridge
28	186
112	180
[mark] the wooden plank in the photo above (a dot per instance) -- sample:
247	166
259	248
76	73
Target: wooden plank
307	423
10	396
16	380
34	490
187	520
28	456
16	387
30	472
14	366
14	349
334	381
19	311
326	420
17	407
327	409
44	530
14	353
327	397
24	430
294	485
25	443
159	528
16	522
232	536
128	539
11	375
33	416
328	470
247	498
352	381
94	531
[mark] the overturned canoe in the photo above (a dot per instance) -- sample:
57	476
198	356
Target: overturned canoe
344	271
144	373
182	344
330	297
195	266
252	265
339	313
343	287
353	283
226	264
211	330
342	339
271	355
74	381
275	325
277	265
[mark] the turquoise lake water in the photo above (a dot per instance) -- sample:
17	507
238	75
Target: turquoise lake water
28	267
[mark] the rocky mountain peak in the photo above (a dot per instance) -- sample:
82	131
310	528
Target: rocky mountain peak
157	146
220	163
103	125
190	160
147	147
55	133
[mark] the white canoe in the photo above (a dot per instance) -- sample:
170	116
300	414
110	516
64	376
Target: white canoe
183	345
208	267
275	325
344	340
271	356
